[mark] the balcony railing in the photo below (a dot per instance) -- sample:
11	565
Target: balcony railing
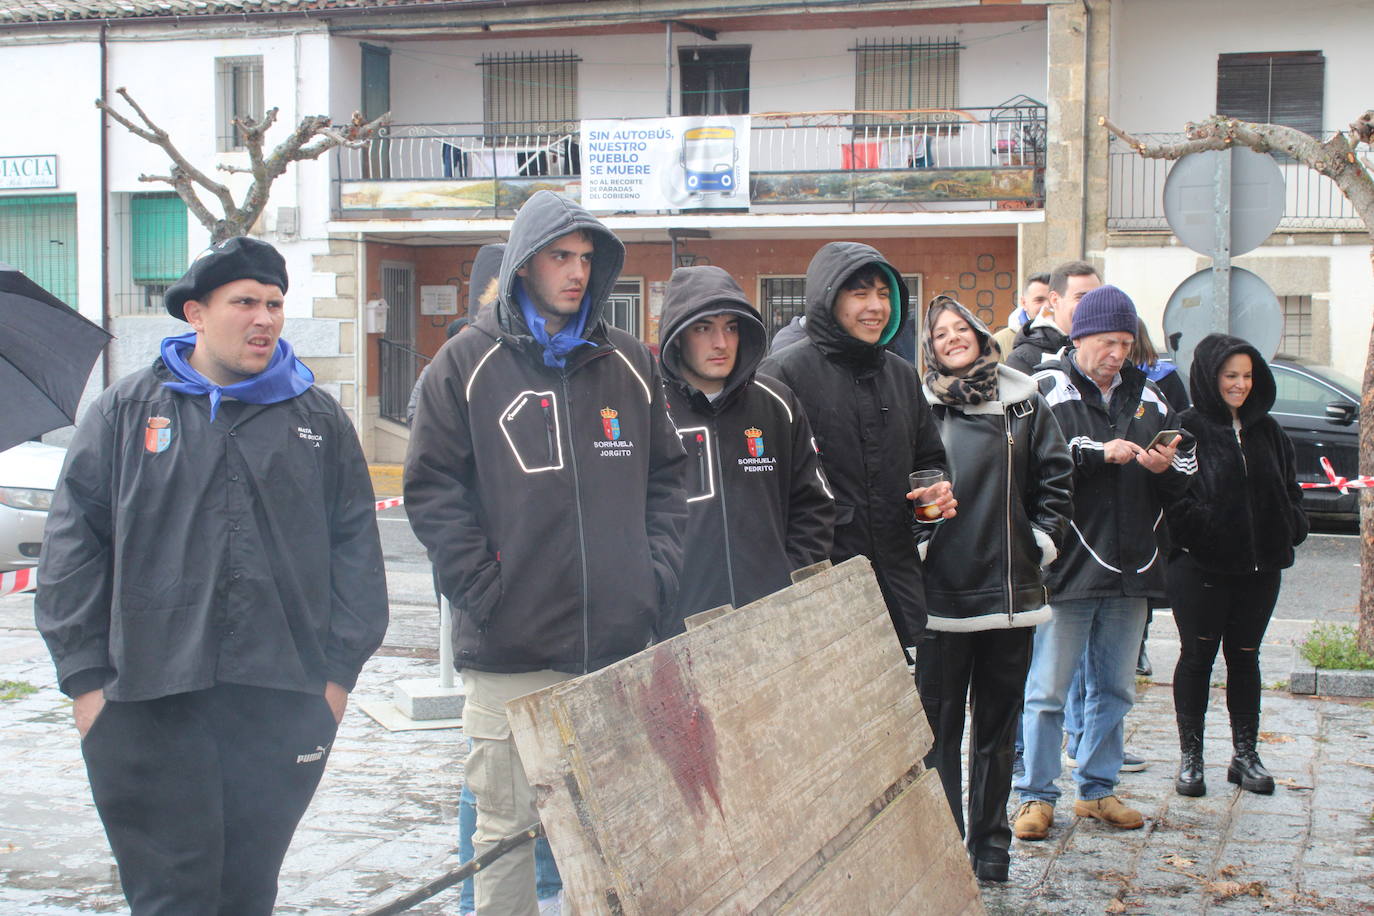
923	157
1136	202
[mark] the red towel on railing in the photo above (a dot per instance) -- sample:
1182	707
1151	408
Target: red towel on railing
861	155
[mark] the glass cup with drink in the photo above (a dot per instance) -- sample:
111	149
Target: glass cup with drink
927	513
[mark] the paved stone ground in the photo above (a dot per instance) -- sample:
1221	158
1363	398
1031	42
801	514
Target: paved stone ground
384	818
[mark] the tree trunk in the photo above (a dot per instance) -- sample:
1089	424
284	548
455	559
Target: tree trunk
1365	630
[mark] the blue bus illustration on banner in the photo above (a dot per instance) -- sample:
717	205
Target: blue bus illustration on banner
708	159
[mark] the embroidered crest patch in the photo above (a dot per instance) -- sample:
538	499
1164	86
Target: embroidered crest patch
610	424
158	435
753	437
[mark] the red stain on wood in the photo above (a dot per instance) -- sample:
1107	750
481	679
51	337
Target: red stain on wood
680	731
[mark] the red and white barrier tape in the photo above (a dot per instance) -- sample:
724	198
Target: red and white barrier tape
390	503
21	580
1333	480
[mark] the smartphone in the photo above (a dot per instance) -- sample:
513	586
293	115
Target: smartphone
1163	437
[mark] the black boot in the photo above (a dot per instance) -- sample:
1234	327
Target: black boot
1246	770
1190	781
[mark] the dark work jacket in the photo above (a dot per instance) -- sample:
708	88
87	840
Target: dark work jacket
245	551
1034	343
873	427
1242	511
1014	480
759	505
1117	536
550	500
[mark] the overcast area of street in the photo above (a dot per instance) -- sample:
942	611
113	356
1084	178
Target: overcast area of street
384	820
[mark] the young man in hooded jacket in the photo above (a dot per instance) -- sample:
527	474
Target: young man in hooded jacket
759	503
211	584
544	477
872	423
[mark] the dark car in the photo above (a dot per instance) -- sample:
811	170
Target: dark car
1319	408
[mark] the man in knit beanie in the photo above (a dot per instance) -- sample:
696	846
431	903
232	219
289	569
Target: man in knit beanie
1111	567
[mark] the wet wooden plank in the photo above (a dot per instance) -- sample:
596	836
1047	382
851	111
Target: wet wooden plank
730	768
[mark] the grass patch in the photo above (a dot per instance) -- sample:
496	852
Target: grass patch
13	690
1331	645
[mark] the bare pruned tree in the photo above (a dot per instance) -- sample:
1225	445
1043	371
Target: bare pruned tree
1336	158
313	136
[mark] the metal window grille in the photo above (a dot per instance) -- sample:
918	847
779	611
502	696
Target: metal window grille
1297	326
238	94
523	89
38	236
624	305
900	75
157	239
783	298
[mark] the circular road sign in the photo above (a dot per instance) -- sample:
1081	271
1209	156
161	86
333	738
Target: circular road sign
1257	199
1255	315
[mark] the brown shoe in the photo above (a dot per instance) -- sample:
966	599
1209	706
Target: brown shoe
1033	820
1110	811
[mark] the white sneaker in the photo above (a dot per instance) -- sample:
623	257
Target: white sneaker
1069	761
551	906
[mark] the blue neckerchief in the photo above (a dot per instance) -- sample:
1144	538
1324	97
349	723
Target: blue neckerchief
557	347
284	378
1157	371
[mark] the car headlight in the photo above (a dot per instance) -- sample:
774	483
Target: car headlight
24	498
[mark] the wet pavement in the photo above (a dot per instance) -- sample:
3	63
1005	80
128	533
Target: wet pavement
384	818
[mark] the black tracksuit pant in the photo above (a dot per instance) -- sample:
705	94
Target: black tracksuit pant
201	792
1219	609
987	669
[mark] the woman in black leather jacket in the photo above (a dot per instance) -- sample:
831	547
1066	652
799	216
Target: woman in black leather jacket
1234	529
984	591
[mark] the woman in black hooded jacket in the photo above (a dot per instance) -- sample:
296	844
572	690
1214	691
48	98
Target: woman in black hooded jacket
1234	529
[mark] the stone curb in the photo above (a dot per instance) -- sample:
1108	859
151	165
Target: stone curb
1329	682
386	479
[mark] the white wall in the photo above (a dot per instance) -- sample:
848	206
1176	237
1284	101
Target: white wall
790	70
1164	54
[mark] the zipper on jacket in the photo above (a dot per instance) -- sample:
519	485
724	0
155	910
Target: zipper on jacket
724	515
1011	444
581	528
1245	469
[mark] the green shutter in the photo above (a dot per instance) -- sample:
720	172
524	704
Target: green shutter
38	236
158	238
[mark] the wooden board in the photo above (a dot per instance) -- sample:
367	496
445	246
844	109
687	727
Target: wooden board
766	761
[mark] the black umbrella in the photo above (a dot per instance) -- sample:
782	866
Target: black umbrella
46	352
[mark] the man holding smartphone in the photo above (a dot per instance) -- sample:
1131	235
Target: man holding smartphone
1112	417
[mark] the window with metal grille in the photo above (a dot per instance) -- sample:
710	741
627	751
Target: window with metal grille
901	75
1297	327
623	307
238	94
715	81
1282	87
782	299
38	236
157	243
529	93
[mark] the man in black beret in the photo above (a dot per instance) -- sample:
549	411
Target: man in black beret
211	583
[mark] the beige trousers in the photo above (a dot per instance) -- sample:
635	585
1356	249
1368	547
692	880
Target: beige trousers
505	802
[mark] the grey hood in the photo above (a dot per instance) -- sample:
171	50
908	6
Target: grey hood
697	292
544	218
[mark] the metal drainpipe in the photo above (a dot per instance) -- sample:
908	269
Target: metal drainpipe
668	66
1088	125
104	208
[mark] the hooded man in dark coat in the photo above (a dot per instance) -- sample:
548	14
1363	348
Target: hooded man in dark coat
759	503
872	423
211	584
544	476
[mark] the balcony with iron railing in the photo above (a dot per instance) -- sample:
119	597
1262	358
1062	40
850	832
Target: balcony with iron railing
971	158
1136	193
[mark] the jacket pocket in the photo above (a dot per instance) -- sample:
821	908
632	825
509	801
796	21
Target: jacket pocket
483	596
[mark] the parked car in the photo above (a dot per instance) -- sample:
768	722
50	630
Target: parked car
1319	408
28	475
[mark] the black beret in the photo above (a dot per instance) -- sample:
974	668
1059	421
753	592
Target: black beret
239	258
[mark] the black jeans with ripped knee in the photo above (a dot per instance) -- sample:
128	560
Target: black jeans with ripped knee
1211	609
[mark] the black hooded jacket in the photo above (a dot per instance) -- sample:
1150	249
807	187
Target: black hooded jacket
873	427
1242	511
759	505
1035	343
550	500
